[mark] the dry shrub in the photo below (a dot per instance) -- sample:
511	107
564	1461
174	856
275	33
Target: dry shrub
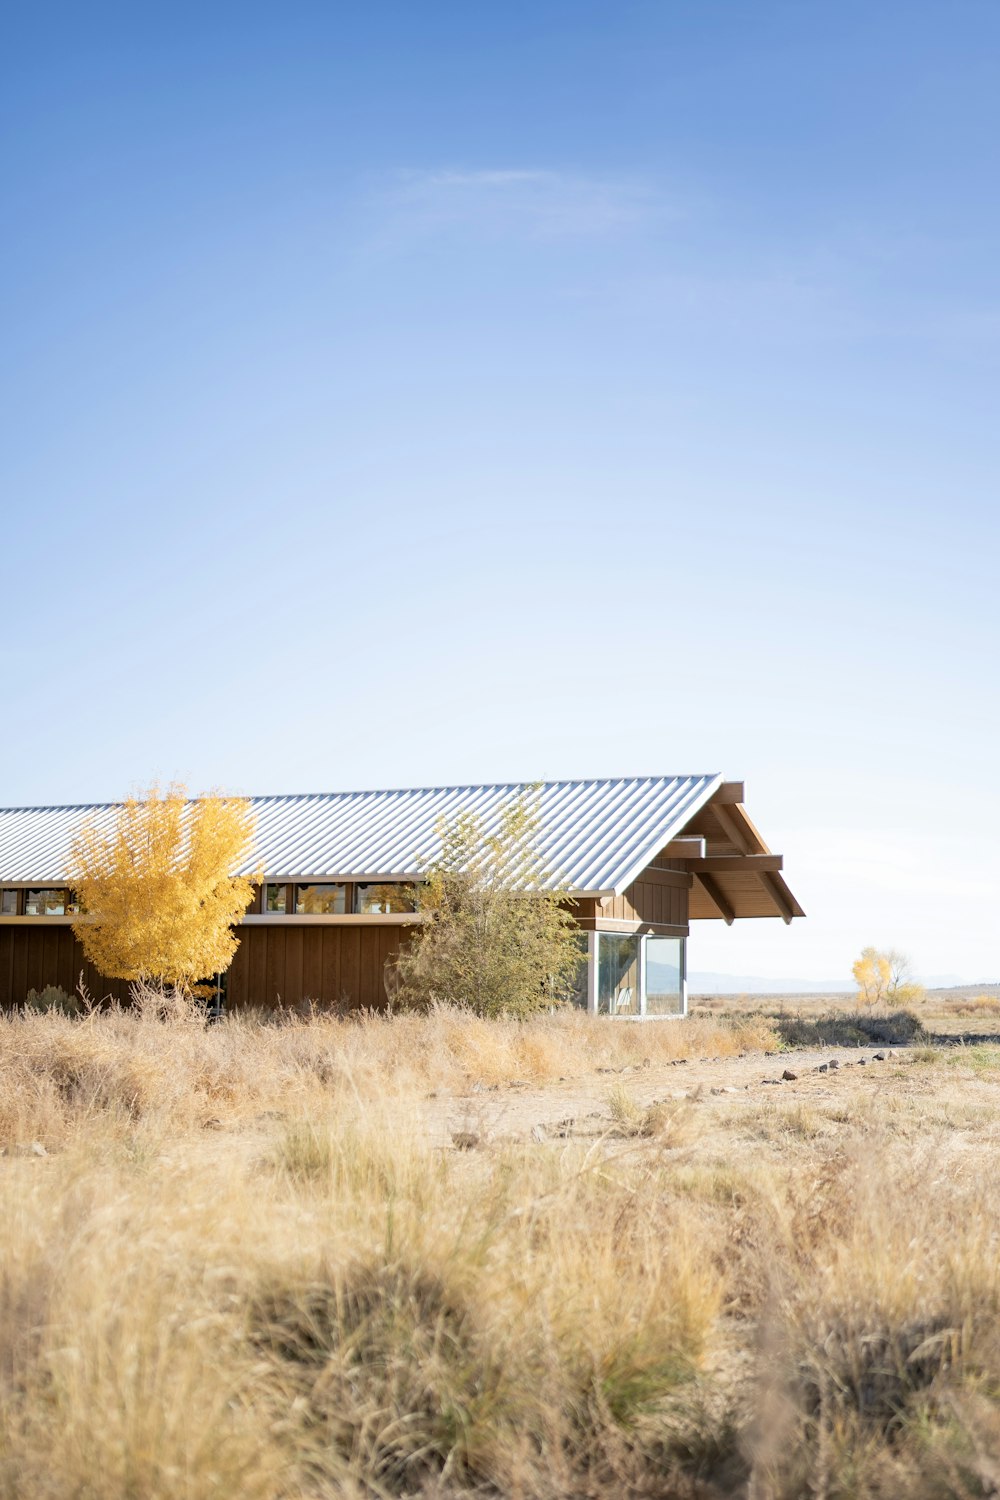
897	1028
388	1368
669	1122
883	1309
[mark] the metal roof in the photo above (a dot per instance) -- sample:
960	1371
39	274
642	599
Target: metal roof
595	836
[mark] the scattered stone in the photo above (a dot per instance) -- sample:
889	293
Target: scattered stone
717	1091
478	1087
823	1068
465	1140
605	1070
833	1064
862	1062
212	1124
731	1088
789	1077
647	1062
879	1057
770	1080
565	1127
518	1083
538	1133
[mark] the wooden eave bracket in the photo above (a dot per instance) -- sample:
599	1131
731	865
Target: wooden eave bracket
718	900
780	895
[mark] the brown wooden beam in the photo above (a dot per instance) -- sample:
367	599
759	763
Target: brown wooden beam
729	791
718	900
737	864
776	892
688	846
732	830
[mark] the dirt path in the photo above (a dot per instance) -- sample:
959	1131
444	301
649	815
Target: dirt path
580	1105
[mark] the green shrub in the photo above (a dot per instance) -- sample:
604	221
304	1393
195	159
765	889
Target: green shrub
52	997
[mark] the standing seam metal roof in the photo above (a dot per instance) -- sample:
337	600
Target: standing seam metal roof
595	836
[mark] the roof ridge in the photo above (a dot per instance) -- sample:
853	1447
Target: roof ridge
460	786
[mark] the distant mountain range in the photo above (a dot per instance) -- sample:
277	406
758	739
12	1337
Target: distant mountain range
704	982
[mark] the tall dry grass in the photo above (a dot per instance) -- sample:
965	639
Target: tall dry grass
791	1297
139	1064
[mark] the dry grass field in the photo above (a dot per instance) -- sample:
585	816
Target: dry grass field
444	1257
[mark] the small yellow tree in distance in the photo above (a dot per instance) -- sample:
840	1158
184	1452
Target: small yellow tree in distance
882	978
158	897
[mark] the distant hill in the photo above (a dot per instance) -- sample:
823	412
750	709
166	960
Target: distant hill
704	982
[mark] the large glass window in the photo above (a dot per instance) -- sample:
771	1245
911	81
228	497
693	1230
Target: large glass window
50	902
618	973
664	976
8	903
390	896
321	900
275	898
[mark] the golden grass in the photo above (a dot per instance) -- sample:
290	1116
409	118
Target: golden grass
767	1297
55	1071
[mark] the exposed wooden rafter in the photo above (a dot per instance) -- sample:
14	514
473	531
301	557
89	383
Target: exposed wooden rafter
779	894
718	900
730	825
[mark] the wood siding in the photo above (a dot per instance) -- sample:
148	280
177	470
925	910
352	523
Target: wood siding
656	899
339	967
32	956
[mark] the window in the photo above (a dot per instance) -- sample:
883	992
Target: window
275	898
8	904
390	896
618	973
51	902
320	900
664	976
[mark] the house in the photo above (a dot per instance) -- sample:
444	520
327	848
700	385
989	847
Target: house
641	858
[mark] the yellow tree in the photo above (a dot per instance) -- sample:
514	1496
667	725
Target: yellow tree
158	897
882	978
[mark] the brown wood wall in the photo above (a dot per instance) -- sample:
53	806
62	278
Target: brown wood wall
338	965
649	900
32	956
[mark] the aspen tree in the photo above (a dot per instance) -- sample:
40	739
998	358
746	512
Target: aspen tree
158	896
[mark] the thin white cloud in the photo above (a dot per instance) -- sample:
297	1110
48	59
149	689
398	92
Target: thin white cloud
526	203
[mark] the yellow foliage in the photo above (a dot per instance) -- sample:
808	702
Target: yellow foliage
158	899
882	977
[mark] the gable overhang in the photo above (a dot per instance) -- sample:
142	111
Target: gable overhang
736	876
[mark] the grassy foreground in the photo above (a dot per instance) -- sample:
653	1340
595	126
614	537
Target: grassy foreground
240	1269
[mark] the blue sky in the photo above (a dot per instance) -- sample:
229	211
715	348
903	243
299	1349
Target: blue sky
405	393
